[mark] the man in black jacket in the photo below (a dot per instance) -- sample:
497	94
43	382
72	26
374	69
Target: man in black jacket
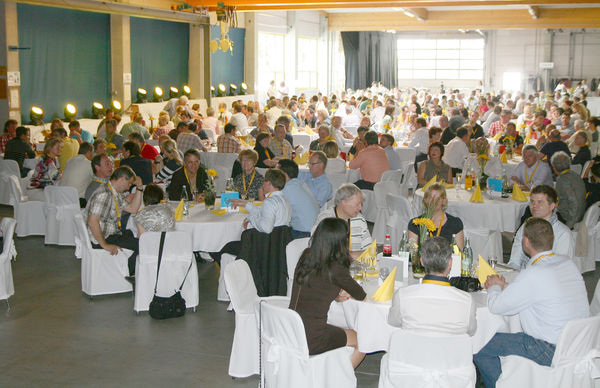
19	148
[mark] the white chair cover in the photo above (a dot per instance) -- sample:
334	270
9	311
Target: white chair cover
587	235
337	179
62	203
293	251
7	169
585	167
575	362
352	129
30	216
369	208
285	359
9	252
176	259
101	272
406	154
416	360
222	163
335	165
393	176
400	214
211	135
486	243
409	181
244	359
577	168
222	295
302	139
380	192
595	305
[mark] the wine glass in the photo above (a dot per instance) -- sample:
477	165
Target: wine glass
384	273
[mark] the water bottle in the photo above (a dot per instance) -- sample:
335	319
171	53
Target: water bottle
186	200
467	259
404	248
387	246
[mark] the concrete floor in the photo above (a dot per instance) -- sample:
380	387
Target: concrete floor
54	335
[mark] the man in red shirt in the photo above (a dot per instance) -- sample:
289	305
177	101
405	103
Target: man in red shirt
371	161
148	151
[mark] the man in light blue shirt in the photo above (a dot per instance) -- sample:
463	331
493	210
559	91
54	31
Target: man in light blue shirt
305	207
315	178
387	143
547	294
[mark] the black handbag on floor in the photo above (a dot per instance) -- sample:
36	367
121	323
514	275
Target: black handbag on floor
173	306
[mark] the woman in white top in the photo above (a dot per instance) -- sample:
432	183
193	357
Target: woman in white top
335	164
210	122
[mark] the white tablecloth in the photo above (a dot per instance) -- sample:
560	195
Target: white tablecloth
211	232
369	320
502	214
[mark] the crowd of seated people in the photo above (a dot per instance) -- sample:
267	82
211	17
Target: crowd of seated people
550	134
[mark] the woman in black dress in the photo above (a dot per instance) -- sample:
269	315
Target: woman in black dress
322	275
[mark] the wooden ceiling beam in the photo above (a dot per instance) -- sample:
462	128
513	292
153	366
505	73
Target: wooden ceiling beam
468	20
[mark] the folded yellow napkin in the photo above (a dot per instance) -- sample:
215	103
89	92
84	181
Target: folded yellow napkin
386	291
448	185
257	203
503	158
309	130
527	138
498	135
302	159
243	209
179	211
368	253
243	142
431	181
219	212
476	197
517	194
484	270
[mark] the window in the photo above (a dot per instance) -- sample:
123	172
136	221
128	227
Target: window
440	58
307	63
271	54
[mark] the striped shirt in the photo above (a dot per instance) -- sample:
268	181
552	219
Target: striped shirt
165	174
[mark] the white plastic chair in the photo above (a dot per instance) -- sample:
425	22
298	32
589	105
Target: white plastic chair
380	192
176	259
400	214
590	227
575	361
62	203
293	251
101	272
487	243
284	354
409	179
9	252
244	359
417	360
30	216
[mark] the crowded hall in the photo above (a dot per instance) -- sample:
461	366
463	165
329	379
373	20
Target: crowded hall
300	194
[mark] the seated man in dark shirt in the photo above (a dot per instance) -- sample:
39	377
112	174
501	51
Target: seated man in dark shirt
553	146
141	166
19	148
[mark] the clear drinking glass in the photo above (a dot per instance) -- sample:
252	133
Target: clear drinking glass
384	273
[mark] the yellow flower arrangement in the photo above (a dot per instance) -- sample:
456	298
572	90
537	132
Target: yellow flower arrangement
424	115
427	222
212	173
483	156
111	146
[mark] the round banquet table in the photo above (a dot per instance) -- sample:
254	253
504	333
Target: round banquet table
369	319
209	231
501	214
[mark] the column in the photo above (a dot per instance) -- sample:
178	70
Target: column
250	51
10	98
120	58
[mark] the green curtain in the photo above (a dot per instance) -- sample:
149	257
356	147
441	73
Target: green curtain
159	55
66	60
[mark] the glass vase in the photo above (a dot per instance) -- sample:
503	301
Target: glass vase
209	199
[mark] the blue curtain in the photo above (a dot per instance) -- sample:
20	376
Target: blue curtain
68	59
159	55
226	68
